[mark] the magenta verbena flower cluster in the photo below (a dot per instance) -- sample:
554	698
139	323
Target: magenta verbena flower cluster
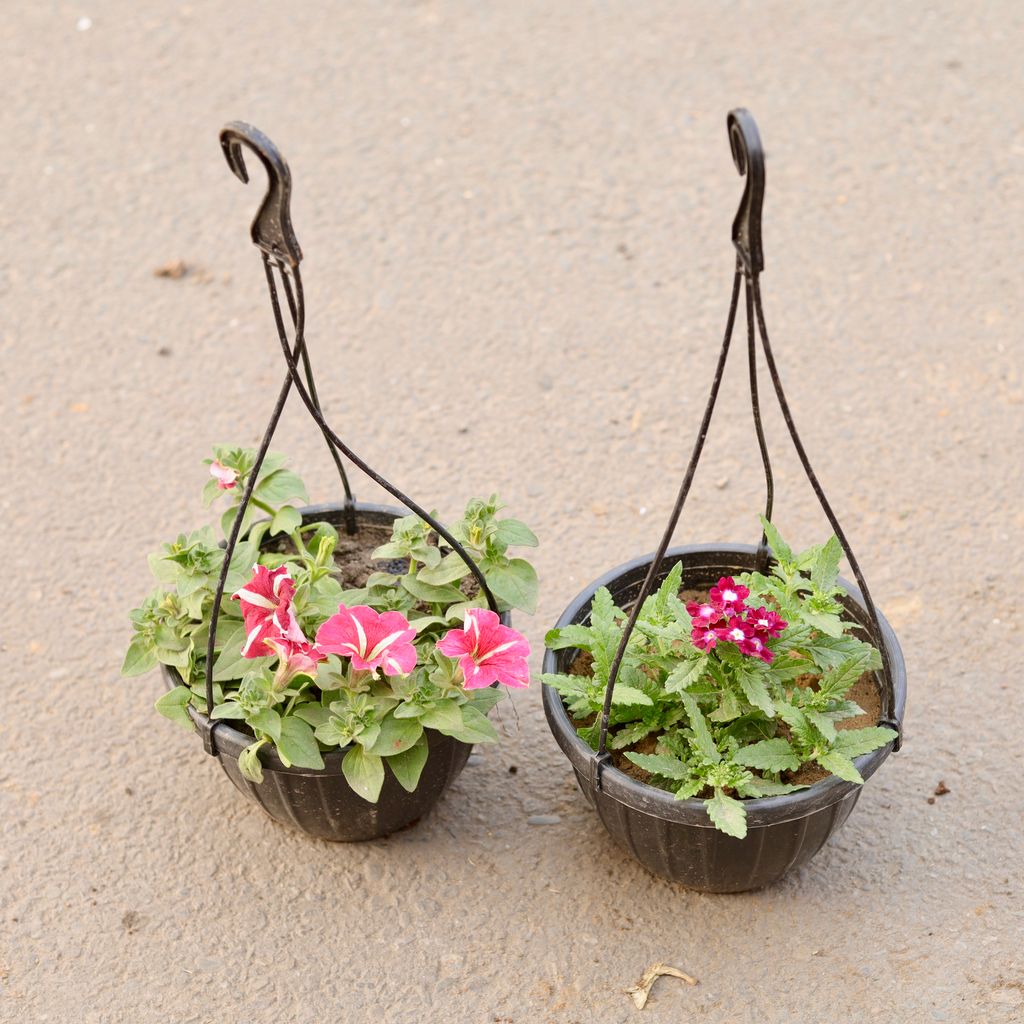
725	618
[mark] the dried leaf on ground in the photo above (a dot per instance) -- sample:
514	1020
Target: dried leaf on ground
641	991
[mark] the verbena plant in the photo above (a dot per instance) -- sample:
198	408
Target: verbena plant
310	666
715	682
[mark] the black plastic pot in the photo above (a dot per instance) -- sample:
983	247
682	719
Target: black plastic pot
674	838
321	803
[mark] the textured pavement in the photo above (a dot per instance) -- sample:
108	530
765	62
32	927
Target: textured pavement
516	225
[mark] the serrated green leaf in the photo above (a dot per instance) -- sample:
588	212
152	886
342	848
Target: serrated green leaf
684	675
855	742
364	773
572	635
408	766
839	764
825	569
775	755
661	764
622	694
728	814
822	722
829	624
766	787
602	611
755	689
780	549
702	738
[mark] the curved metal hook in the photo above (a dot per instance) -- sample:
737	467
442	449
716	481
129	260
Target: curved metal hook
748	155
272	227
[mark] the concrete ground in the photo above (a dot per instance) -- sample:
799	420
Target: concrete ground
516	225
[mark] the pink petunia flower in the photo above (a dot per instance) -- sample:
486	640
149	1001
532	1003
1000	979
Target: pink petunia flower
704	638
728	596
266	602
224	476
370	639
297	657
487	651
703	615
765	622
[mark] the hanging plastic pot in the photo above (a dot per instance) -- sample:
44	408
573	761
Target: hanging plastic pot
674	837
319	802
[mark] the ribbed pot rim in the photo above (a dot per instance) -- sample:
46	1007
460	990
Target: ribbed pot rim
774	810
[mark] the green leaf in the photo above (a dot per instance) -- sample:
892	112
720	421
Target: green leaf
475	728
511	532
448	570
249	763
829	624
728	708
515	584
445	716
572	635
839	764
297	745
140	657
602	611
822	723
279	486
429	593
776	755
780	549
766	787
230	639
174	706
285	520
314	714
702	738
229	710
408	766
756	691
686	674
269	721
855	742
396	735
631	733
825	570
329	733
728	814
661	764
364	772
623	694
837	681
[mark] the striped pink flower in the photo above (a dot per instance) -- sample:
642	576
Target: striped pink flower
224	476
370	639
487	651
266	602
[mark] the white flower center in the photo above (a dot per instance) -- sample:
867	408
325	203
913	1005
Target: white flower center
737	634
730	595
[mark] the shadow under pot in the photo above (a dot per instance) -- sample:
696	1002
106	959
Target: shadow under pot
675	838
321	803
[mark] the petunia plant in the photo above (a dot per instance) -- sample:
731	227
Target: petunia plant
730	695
309	663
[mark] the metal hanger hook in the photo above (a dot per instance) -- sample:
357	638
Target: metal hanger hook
272	227
748	155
